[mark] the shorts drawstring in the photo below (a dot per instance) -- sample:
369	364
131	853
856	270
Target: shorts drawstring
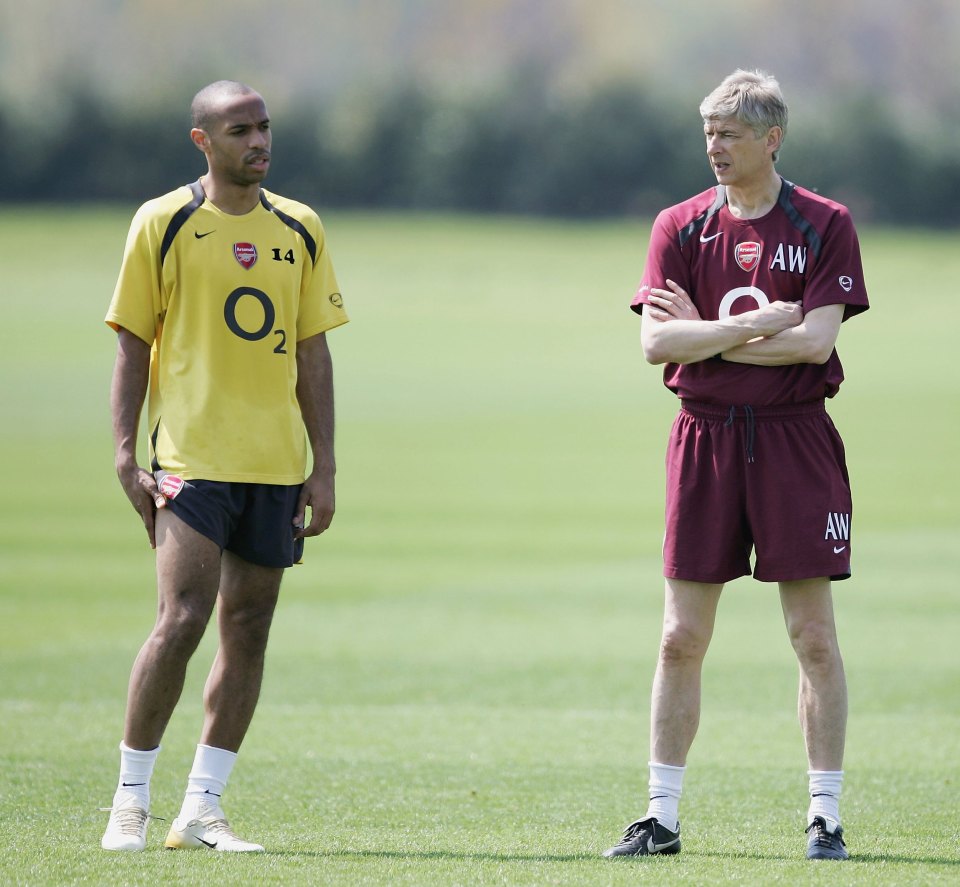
751	427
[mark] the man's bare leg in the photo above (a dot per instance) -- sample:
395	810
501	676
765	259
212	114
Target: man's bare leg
188	575
808	613
822	706
690	610
689	613
247	600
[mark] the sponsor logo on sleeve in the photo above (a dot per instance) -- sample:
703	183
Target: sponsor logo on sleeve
336	300
747	254
245	254
846	283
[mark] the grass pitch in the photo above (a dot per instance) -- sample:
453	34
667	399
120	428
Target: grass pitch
458	678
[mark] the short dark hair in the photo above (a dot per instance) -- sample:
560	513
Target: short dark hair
205	107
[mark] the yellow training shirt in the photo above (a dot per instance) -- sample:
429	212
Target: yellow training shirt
224	300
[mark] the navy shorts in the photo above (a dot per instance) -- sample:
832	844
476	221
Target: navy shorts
769	481
252	521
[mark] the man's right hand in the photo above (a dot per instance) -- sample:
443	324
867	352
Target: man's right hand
144	495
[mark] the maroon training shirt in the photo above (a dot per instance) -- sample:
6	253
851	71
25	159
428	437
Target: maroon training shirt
804	250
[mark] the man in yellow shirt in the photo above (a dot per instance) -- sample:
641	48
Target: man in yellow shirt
222	305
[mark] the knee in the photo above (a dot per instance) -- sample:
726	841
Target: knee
682	644
248	626
181	627
815	644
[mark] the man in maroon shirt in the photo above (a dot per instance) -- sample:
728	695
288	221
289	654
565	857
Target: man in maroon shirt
742	297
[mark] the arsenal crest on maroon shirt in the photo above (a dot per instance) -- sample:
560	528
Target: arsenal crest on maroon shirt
246	254
747	254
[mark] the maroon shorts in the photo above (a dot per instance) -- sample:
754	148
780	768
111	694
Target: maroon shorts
769	479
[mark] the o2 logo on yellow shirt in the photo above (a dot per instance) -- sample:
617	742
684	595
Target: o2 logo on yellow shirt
230	311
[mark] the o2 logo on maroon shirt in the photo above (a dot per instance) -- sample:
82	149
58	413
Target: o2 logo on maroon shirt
246	254
747	254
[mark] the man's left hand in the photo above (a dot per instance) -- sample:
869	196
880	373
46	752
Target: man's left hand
318	494
672	304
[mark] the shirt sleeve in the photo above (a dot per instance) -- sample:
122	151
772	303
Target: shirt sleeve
321	303
136	303
837	275
664	260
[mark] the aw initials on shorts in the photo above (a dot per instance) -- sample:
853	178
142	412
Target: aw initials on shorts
838	526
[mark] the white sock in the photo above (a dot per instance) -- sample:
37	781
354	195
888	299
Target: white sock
825	786
136	769
666	785
207	780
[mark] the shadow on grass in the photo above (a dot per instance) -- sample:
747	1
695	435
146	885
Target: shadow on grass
856	859
914	860
435	854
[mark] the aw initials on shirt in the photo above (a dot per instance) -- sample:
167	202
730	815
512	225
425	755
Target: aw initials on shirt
795	256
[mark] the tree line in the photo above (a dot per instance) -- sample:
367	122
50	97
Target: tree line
520	149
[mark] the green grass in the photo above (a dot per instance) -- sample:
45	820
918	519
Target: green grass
458	678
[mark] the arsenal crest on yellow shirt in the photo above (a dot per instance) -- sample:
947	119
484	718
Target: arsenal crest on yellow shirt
246	254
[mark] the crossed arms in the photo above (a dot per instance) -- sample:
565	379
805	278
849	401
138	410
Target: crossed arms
774	335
